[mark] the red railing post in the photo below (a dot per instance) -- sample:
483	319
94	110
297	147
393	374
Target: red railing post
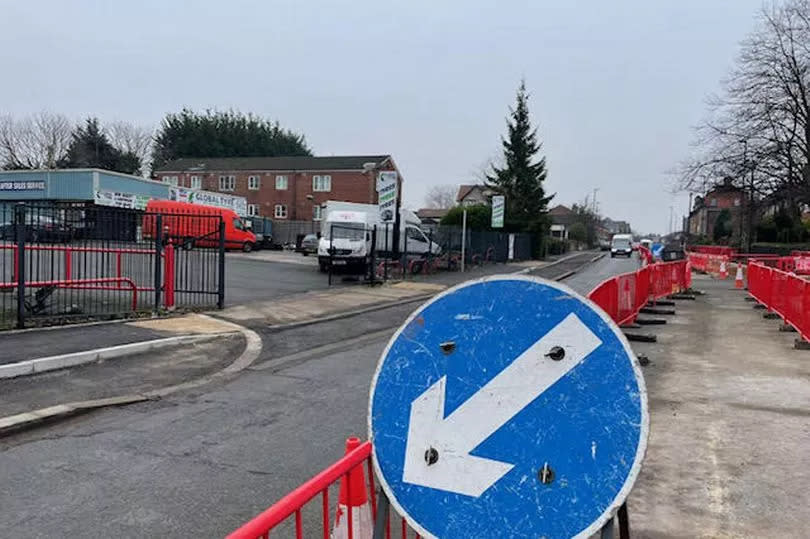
168	277
69	265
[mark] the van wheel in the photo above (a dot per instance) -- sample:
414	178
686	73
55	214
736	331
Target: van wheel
247	247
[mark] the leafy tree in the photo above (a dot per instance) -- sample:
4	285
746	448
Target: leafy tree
90	148
521	177
577	232
223	134
589	220
479	217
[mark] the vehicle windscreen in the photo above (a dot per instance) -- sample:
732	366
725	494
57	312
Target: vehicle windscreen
346	231
621	243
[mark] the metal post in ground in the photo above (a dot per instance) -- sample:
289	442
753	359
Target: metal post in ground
382	516
331	251
158	260
463	238
373	256
430	248
221	261
385	266
19	263
405	254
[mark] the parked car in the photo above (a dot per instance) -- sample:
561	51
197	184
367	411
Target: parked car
39	228
309	244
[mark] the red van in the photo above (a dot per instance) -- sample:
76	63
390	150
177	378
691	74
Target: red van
196	225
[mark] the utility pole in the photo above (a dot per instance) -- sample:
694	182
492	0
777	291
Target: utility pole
595	189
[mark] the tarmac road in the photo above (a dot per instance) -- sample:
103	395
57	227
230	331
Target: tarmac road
201	463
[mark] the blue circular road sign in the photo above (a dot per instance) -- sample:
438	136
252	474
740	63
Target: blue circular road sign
508	407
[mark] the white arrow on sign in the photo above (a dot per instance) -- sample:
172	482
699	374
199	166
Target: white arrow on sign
437	452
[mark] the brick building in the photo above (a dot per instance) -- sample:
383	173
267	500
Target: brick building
290	188
707	209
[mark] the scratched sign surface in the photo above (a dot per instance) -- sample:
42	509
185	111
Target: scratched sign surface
508	407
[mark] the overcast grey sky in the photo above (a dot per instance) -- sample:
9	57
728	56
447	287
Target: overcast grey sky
616	86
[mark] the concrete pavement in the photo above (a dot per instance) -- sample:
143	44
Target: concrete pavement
729	435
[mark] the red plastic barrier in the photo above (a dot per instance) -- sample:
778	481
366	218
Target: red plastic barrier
294	502
622	297
783	293
714	250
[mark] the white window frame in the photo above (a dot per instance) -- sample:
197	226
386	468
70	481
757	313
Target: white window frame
227	183
280	211
321	183
283	181
196	182
253	210
170	180
317	212
254	183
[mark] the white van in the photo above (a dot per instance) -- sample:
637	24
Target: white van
621	244
352	224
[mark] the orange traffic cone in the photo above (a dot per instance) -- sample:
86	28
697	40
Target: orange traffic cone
353	495
738	279
723	270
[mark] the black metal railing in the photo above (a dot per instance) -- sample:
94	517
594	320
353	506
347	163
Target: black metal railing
76	261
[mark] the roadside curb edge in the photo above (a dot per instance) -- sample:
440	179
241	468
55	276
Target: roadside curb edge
25	420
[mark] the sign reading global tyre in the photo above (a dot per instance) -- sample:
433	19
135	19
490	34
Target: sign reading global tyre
210	198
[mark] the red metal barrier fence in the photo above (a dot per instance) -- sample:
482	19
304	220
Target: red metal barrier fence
622	297
783	293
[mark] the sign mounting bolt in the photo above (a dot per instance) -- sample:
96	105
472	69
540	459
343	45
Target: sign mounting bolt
448	347
431	456
546	474
556	353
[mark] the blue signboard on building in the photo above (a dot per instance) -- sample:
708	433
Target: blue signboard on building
508	407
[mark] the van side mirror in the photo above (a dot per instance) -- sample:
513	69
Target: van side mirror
368	236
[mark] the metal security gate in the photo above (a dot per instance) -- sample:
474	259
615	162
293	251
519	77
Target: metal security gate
69	262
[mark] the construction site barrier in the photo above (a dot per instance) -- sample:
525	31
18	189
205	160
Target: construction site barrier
623	296
713	264
783	293
722	250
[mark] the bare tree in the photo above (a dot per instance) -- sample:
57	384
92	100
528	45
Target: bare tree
757	134
33	142
441	196
133	138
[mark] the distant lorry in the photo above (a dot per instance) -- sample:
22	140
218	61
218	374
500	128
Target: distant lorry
353	226
192	225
